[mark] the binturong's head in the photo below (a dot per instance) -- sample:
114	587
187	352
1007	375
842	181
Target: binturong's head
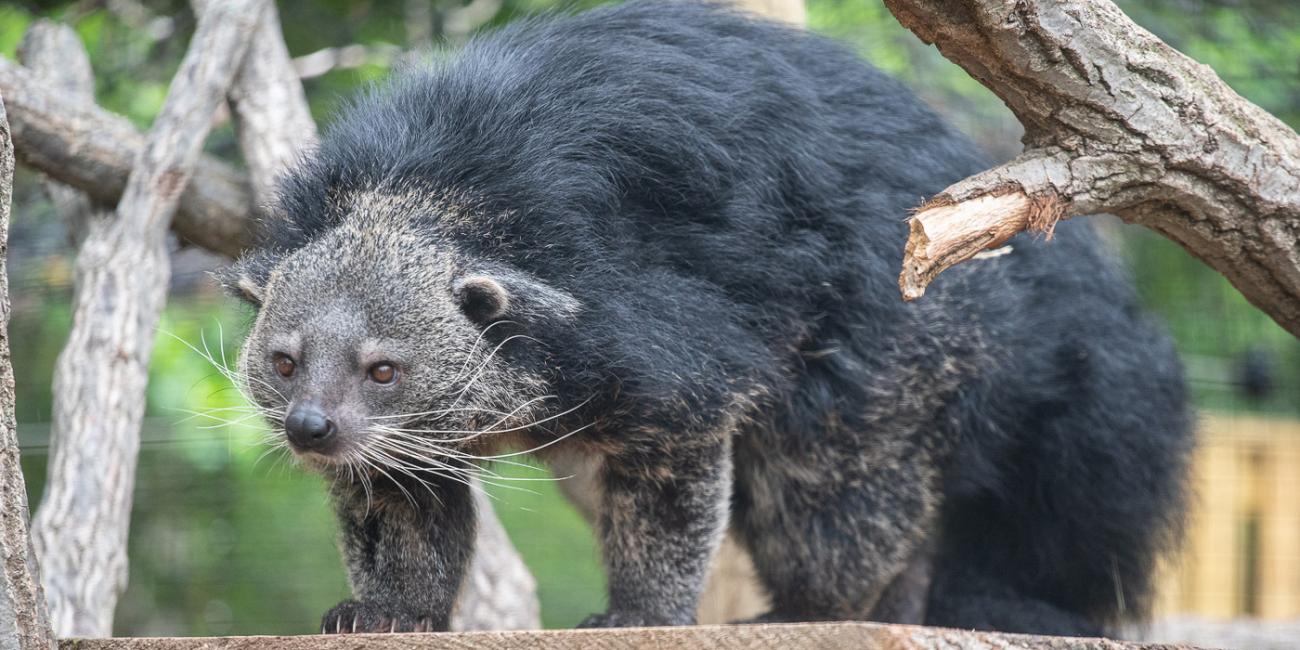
380	346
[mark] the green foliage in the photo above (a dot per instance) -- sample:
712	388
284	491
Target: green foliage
875	33
13	22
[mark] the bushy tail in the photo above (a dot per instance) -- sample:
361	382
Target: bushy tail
1059	530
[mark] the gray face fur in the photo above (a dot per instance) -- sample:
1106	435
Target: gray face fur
376	290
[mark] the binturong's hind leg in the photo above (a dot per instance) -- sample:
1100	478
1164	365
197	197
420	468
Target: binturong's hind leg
842	539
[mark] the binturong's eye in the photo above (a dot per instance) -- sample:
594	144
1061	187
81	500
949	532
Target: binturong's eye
284	364
383	373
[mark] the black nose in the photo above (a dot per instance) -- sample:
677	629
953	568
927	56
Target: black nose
308	427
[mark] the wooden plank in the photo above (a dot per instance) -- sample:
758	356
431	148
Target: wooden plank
1243	464
1213	534
785	637
1279	534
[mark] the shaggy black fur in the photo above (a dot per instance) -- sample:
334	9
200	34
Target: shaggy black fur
725	200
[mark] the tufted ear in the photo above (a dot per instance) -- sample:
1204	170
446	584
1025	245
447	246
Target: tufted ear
246	278
493	293
481	297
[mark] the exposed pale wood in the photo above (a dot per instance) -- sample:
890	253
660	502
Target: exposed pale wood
855	636
122	274
93	150
23	621
1117	121
945	234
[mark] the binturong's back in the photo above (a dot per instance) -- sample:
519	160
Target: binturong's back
662	239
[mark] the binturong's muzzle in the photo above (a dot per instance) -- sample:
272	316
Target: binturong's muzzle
309	429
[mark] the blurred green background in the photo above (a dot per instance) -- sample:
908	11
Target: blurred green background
224	544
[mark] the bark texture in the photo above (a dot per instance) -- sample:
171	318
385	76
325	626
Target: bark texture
121	282
272	119
1115	121
23	622
54	53
93	150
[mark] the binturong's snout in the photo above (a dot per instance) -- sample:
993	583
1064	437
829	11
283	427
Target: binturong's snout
309	428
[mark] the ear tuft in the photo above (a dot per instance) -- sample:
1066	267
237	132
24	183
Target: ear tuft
246	279
481	298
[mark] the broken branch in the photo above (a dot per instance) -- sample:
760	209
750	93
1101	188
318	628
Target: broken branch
1117	121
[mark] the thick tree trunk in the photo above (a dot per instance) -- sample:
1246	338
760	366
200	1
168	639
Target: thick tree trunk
55	54
23	622
121	283
1115	121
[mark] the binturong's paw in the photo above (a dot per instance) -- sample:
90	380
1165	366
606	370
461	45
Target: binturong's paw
353	617
626	619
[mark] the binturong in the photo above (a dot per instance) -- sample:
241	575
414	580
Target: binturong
660	241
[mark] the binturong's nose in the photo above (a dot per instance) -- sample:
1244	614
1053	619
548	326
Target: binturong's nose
308	428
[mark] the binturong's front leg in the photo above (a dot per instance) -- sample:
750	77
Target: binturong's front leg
406	553
663	511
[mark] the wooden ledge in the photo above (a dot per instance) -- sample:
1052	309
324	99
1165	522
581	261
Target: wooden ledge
806	635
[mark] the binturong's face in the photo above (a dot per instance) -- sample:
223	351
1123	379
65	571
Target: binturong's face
378	350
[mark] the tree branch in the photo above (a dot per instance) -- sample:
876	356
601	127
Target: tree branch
23	621
345	57
271	115
1117	121
91	149
122	274
54	54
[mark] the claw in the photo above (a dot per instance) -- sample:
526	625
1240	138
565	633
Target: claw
338	625
393	628
354	623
